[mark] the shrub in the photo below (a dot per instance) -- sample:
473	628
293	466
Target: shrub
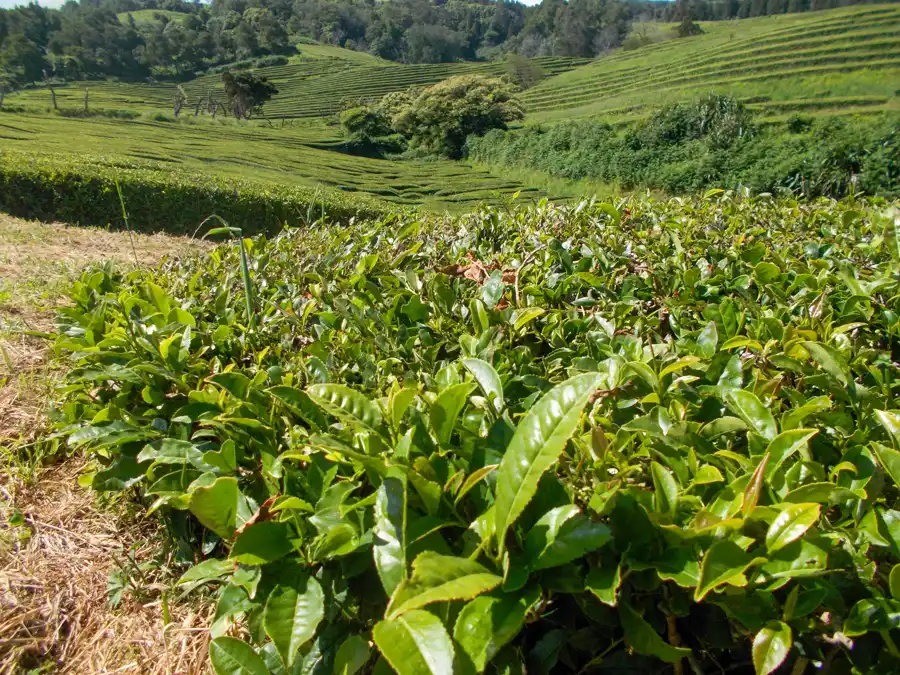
442	116
642	437
81	190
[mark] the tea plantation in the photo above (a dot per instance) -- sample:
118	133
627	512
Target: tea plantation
843	61
642	436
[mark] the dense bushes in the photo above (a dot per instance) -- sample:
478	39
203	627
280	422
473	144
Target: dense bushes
436	120
82	190
632	438
686	148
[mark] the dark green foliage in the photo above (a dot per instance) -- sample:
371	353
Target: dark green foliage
687	148
442	116
638	437
368	130
687	28
82	191
247	93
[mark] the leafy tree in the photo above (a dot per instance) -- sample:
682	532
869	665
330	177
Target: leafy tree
687	28
523	72
441	118
247	93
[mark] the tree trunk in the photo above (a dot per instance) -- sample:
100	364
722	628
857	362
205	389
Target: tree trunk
53	97
85	99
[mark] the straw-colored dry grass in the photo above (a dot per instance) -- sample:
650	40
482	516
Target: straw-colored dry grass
58	544
54	571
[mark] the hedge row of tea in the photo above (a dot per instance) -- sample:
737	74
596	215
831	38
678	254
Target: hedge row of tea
634	437
86	190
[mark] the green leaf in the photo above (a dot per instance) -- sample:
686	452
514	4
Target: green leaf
890	420
492	290
708	339
173	451
790	524
207	570
262	543
522	317
786	444
894	581
487	379
724	563
236	384
441	578
665	487
604	582
771	646
400	401
216	506
830	361
489	622
230	656
539	439
346	404
446	408
889	460
473	479
415	643
708	474
750	409
562	535
389	531
644	640
351	656
293	612
300	403
680	364
766	272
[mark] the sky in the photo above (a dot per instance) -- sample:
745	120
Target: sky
6	4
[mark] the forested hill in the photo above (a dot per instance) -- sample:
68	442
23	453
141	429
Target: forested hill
164	39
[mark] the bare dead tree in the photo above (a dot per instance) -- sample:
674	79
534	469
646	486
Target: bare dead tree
52	90
180	100
85	100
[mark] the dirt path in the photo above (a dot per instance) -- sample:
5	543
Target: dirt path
63	554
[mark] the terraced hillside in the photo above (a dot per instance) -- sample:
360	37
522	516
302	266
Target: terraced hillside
282	156
311	85
827	62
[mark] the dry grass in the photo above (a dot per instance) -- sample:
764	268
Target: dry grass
54	612
37	260
57	545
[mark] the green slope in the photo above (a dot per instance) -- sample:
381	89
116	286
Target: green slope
829	62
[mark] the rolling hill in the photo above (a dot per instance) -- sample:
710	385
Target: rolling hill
837	61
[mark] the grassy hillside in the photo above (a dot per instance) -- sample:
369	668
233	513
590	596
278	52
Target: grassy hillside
146	17
282	156
313	84
845	60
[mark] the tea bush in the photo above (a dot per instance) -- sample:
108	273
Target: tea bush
82	190
605	438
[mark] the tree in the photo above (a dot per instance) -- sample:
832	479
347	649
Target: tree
687	28
523	72
440	119
247	93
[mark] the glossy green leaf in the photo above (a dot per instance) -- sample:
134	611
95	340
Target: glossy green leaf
216	506
441	578
293	612
446	409
263	543
562	535
665	487
351	656
473	479
604	582
890	420
889	460
389	531
708	340
791	523
300	403
489	622
644	640
230	656
771	646
346	404
236	384
400	402
786	444
488	379
415	643
830	361
894	581
724	563
539	439
749	408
